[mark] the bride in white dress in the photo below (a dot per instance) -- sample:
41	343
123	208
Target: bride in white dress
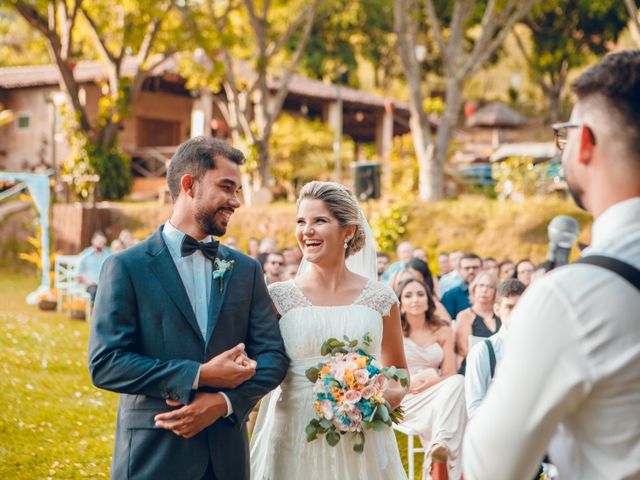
326	300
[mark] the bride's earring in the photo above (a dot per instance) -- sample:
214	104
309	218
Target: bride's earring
346	244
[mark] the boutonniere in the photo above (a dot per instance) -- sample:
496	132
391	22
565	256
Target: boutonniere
222	267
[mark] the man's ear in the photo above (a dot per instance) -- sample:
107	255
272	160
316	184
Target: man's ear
187	185
496	309
587	144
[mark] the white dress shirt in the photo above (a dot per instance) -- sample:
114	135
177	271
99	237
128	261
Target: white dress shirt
196	272
477	376
569	382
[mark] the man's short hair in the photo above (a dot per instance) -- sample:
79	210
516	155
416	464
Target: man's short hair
196	156
617	79
98	233
381	254
470	256
509	288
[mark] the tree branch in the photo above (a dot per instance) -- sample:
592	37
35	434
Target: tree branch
435	27
98	40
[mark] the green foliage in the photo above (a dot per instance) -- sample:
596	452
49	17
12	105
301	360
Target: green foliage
389	226
517	175
20	45
302	150
86	158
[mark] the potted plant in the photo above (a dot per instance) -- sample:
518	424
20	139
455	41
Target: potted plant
76	308
48	299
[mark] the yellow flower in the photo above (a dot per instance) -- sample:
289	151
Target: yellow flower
361	361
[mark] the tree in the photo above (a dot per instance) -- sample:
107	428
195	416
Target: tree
564	34
462	54
119	29
19	44
632	8
249	39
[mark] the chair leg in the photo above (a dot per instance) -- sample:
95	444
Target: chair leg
410	456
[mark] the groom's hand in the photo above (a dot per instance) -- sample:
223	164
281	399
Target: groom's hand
228	370
189	420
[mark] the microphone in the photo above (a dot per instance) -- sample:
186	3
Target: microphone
563	232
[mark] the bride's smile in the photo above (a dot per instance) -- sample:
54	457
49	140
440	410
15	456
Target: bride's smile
319	234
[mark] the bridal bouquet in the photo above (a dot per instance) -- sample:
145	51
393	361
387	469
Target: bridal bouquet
347	395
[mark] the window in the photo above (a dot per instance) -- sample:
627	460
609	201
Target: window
23	121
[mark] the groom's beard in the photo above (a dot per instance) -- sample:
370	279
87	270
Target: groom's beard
207	223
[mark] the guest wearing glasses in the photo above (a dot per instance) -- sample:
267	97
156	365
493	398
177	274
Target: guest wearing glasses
479	319
456	299
273	268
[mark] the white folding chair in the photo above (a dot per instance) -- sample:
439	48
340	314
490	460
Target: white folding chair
412	450
66	283
64	279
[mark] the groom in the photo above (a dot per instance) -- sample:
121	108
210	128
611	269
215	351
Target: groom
184	329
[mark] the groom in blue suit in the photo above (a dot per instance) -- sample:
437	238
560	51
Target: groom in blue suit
184	330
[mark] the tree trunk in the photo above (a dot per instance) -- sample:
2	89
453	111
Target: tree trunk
264	170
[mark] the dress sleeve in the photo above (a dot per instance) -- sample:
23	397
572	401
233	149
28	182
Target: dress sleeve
380	298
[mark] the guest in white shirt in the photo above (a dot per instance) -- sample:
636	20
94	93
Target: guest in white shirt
479	371
570	377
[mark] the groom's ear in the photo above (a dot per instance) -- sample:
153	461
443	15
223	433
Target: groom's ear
187	185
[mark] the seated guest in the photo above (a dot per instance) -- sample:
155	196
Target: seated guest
490	265
273	268
253	247
506	269
524	271
485	356
457	299
434	406
117	246
444	266
127	238
382	262
420	254
452	278
422	272
91	261
478	320
404	252
290	271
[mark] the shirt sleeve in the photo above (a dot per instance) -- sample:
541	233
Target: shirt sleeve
542	378
196	383
477	377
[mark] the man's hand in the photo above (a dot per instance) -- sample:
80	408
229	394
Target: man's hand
228	370
191	419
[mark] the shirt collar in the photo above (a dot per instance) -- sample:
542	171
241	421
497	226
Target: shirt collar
615	218
173	238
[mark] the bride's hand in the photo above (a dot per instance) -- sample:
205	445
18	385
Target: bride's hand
394	392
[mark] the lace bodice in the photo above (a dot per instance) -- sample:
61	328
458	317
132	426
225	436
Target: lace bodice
286	296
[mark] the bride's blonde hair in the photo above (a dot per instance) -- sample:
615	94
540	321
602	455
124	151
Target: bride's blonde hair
343	206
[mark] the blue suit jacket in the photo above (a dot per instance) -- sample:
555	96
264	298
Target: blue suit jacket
145	343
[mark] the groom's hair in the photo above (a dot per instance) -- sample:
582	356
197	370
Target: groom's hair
197	155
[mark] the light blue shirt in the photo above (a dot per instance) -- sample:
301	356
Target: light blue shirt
449	281
90	263
195	272
477	377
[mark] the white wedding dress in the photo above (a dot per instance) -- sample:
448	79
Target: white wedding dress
279	449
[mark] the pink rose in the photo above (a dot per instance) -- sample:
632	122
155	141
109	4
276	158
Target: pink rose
362	376
381	382
352	396
369	392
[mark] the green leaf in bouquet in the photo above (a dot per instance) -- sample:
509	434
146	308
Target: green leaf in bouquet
353	344
311	432
402	378
312	374
358	447
366	340
325	424
383	413
367	424
333	438
338	350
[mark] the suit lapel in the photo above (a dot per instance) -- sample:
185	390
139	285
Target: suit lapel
217	297
164	268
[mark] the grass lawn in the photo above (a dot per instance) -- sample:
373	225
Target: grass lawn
53	422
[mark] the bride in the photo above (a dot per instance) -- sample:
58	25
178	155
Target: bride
328	299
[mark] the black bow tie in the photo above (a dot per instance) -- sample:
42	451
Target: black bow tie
190	245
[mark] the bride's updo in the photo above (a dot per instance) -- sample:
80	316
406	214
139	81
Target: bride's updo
343	207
